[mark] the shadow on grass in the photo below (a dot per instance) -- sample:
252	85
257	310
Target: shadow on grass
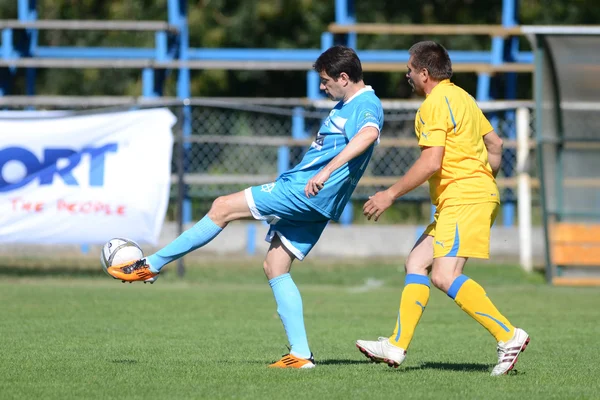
460	367
341	362
266	363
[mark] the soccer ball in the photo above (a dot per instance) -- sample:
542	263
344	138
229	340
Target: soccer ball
118	251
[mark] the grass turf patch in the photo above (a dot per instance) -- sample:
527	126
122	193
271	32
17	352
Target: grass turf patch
211	335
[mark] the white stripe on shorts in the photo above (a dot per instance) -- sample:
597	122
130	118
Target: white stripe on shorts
288	245
271	219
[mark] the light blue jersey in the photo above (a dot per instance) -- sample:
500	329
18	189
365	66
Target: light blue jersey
343	123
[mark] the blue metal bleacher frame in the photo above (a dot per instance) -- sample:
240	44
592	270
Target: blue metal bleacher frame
172	52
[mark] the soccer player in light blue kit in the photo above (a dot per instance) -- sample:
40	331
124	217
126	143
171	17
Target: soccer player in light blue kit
300	203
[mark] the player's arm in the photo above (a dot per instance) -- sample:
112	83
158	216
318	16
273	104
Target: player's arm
428	163
358	145
493	144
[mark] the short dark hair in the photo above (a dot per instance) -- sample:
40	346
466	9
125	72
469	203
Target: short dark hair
338	59
433	57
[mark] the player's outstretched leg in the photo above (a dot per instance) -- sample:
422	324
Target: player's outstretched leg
473	300
224	210
197	236
138	270
148	268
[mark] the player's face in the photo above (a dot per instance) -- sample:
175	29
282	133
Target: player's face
414	79
334	89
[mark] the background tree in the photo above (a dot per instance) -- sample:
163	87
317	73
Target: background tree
274	24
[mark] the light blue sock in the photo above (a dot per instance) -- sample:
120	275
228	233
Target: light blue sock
289	308
197	236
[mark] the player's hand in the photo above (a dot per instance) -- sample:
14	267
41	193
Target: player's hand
377	204
316	183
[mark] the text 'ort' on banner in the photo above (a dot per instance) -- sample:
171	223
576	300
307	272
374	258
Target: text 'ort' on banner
85	179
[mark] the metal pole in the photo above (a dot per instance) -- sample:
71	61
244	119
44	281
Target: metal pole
510	47
344	15
177	10
183	83
539	80
180	163
524	190
27	12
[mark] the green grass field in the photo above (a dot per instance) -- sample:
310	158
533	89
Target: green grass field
71	333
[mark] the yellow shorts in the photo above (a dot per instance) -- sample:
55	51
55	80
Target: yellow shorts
463	231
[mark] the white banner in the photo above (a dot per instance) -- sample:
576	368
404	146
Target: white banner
85	179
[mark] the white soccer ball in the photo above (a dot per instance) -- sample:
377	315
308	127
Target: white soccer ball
119	251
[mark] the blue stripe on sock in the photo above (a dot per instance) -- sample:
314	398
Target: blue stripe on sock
456	285
399	329
495	320
412	279
417	279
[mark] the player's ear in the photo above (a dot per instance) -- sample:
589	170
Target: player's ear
345	78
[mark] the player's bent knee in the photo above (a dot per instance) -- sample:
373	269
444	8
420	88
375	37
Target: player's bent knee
219	210
266	268
414	268
273	271
442	280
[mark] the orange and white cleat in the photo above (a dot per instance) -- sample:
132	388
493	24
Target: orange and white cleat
291	361
133	271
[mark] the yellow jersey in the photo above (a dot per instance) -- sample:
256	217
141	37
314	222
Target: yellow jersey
451	118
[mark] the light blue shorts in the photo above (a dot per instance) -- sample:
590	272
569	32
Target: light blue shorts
298	226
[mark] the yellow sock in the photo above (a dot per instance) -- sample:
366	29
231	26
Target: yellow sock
473	300
412	305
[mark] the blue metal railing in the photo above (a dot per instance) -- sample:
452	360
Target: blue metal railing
173	44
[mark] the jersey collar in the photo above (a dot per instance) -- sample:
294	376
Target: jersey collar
441	83
361	91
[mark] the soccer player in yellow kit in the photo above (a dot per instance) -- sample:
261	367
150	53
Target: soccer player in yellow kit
460	156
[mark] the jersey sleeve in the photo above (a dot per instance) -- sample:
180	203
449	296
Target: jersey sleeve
368	114
484	124
437	120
